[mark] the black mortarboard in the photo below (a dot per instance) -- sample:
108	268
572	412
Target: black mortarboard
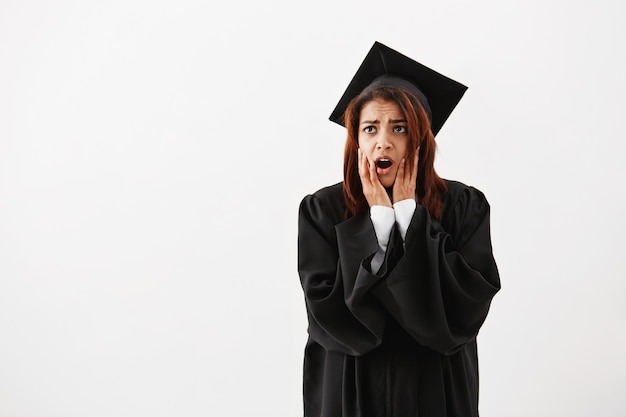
386	66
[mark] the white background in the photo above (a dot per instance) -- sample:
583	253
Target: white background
153	155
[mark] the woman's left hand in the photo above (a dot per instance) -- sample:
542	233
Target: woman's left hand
406	180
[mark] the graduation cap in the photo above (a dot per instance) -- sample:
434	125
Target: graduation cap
385	66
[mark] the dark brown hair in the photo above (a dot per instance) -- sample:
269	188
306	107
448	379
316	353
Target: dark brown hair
429	186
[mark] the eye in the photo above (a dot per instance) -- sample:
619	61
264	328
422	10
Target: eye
399	129
369	129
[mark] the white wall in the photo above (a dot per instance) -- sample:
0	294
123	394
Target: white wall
153	155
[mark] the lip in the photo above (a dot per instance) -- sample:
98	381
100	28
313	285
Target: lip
384	159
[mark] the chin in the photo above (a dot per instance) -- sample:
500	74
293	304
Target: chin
387	184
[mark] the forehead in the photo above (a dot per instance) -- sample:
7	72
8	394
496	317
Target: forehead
381	109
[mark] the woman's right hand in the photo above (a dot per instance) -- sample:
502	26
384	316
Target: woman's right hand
373	190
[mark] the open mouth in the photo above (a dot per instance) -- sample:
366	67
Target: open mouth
383	163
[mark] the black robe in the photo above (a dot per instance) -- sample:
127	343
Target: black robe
402	342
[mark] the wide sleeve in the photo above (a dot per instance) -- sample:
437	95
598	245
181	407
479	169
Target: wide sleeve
441	287
344	315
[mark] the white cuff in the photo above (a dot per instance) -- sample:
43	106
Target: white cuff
404	213
382	219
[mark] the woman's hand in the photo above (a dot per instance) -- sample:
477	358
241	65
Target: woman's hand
406	180
373	190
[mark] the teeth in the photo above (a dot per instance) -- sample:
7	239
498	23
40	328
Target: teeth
384	163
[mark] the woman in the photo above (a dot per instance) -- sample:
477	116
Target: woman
395	263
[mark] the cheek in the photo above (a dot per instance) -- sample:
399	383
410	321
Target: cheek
363	146
366	142
367	150
403	148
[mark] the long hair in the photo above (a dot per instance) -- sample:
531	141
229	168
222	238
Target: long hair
429	187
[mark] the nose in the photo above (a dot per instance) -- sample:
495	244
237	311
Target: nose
383	141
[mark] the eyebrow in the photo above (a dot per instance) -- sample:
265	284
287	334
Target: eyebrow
374	122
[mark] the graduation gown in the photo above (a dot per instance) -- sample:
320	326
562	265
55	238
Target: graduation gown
401	342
